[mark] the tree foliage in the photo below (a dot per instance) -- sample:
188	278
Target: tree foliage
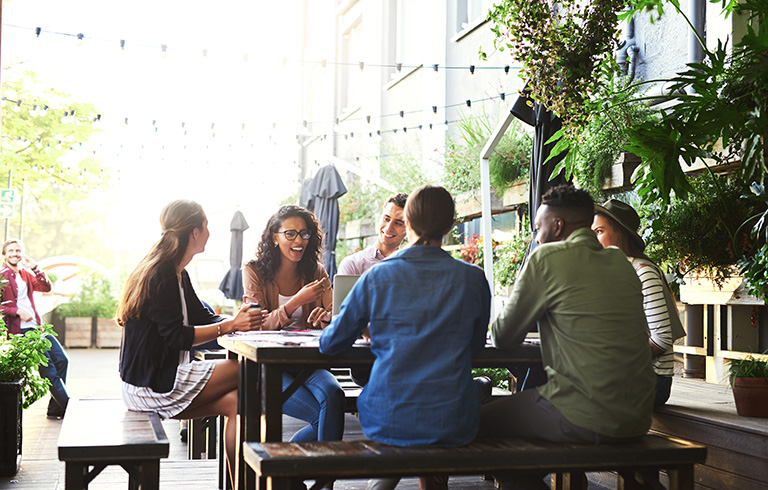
43	131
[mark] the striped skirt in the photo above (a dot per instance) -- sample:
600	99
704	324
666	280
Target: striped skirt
191	378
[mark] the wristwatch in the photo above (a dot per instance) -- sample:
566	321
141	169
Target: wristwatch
34	269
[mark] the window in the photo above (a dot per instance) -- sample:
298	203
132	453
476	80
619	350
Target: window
470	12
350	71
410	42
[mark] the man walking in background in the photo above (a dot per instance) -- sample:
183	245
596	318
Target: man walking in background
18	307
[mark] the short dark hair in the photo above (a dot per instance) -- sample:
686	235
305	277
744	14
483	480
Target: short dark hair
568	196
575	203
398	200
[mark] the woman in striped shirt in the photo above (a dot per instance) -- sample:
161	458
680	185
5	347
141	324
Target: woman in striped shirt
616	224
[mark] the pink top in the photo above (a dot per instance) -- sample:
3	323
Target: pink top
359	262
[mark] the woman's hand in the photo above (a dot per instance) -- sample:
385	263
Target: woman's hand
319	317
311	292
248	319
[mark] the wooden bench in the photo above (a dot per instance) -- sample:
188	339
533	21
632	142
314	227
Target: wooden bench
99	433
280	463
351	389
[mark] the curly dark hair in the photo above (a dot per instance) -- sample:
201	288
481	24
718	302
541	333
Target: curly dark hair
267	259
569	197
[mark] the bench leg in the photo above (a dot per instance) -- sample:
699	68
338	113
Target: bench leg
576	480
143	475
210	425
195	438
76	476
681	477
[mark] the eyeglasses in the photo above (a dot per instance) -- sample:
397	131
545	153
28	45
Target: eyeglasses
292	234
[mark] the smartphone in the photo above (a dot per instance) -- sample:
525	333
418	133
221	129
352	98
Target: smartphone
254	306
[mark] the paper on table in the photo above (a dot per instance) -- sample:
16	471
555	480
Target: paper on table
296	337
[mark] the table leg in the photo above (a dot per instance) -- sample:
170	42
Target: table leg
271	406
247	421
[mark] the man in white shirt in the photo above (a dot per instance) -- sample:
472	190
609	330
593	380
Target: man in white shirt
18	308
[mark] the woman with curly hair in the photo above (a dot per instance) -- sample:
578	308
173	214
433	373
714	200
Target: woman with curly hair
163	318
287	279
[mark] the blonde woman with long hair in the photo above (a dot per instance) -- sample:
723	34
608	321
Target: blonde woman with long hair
163	318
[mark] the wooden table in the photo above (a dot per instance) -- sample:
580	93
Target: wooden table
262	363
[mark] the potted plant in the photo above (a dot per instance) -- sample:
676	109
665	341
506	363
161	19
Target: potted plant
89	314
20	386
749	380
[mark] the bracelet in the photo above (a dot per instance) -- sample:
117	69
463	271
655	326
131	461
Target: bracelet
218	329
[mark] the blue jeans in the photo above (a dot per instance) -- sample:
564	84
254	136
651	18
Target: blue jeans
319	401
56	373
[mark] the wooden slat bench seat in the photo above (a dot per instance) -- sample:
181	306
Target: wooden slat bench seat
322	461
99	433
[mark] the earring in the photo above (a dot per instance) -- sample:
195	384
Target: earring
275	244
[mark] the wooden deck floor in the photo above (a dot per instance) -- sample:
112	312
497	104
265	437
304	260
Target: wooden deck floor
93	374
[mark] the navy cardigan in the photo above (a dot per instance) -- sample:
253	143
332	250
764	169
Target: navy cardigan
149	350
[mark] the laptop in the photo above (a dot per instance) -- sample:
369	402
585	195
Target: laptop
342	284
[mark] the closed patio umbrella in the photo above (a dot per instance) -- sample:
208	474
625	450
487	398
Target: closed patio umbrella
545	124
326	188
232	284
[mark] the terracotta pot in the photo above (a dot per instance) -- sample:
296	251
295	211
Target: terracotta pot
10	427
751	396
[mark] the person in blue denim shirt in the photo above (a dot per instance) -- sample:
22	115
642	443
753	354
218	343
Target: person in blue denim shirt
428	315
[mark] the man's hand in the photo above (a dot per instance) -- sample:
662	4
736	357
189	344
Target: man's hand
28	262
25	315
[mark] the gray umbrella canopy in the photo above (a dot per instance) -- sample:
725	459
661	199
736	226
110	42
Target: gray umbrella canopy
232	284
326	189
545	124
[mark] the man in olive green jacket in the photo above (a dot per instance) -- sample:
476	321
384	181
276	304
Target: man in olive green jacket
588	305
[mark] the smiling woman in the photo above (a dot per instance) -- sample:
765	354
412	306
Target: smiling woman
287	279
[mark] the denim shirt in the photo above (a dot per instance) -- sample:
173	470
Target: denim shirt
428	315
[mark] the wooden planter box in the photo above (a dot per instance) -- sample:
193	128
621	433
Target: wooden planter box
108	333
700	290
78	331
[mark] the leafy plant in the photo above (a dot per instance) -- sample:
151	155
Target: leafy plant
20	358
499	376
562	48
705	232
94	299
508	164
721	113
749	367
508	255
614	111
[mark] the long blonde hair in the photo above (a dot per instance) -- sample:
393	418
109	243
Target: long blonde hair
177	220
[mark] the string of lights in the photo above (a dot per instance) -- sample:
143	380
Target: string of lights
69	115
204	52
